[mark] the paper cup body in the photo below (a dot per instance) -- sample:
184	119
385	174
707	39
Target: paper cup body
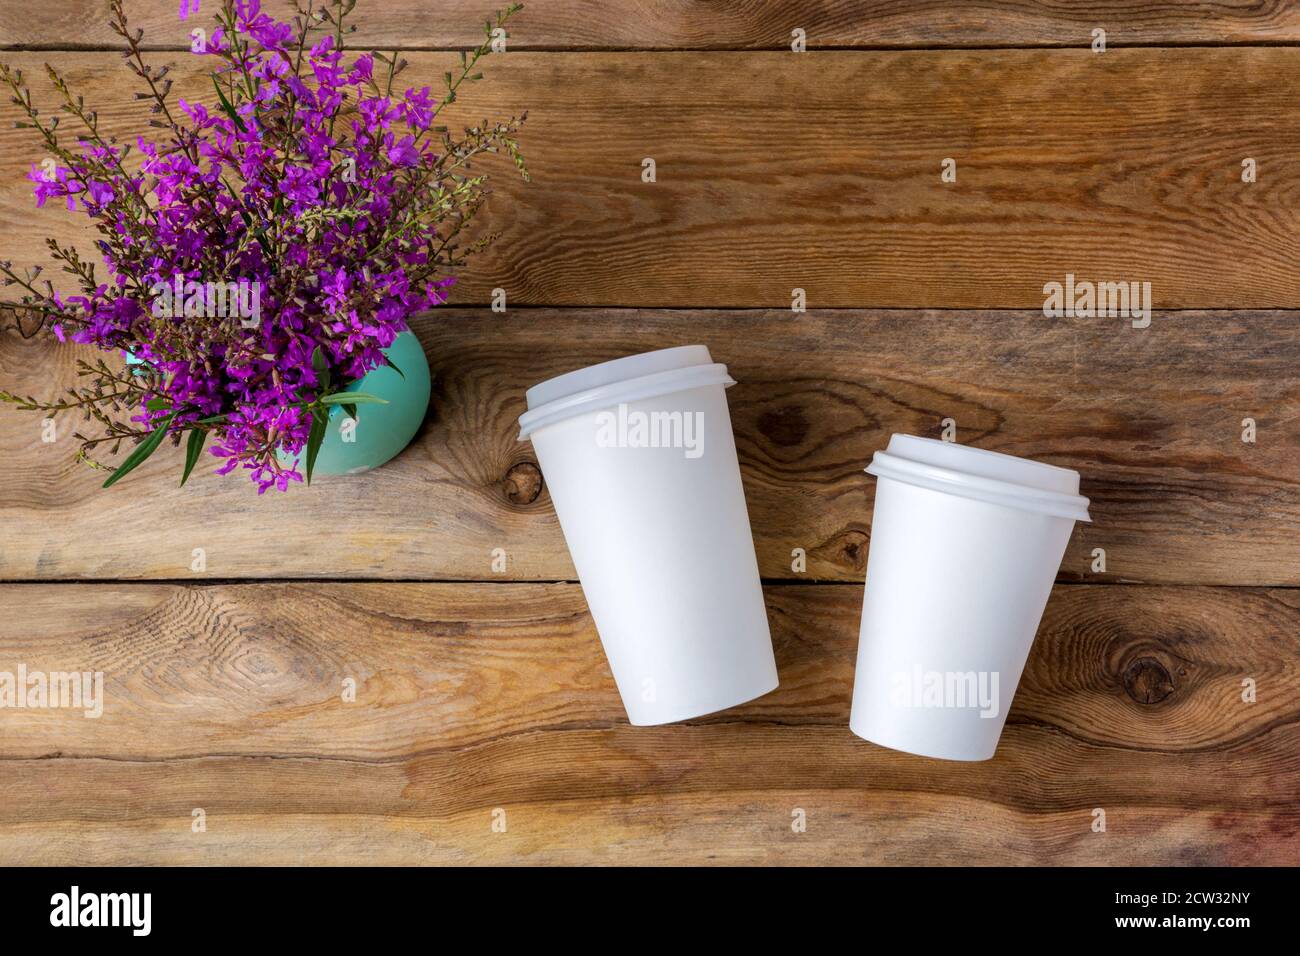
648	494
957	580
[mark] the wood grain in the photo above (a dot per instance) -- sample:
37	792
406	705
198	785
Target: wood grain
822	172
476	697
775	171
739	24
1151	419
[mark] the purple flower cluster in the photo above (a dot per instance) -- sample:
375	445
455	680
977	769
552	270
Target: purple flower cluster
308	178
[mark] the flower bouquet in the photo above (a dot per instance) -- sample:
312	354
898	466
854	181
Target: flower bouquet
264	251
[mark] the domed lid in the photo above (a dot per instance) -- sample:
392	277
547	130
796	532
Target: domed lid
626	379
982	475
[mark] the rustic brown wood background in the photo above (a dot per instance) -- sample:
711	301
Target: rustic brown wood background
478	691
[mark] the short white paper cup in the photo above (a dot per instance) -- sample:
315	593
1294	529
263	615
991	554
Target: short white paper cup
965	546
641	463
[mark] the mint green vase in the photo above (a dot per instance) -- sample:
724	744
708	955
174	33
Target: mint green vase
380	431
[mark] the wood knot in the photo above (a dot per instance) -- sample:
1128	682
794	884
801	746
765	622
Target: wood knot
784	426
1147	681
522	483
849	549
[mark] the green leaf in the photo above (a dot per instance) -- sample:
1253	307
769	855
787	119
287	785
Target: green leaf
157	404
352	398
393	366
319	422
225	105
351	410
258	233
322	368
192	451
211	419
142	451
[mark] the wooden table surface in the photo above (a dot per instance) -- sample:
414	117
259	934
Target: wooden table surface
483	696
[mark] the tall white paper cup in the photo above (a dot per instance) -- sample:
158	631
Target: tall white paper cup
640	461
965	545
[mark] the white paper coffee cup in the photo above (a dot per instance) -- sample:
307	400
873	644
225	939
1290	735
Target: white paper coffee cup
965	546
640	461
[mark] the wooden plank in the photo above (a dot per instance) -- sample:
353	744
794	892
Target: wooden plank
681	24
1151	418
822	172
477	697
146	811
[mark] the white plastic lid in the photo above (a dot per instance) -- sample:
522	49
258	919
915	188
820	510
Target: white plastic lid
626	379
982	475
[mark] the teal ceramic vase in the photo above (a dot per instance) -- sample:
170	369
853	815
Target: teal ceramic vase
380	431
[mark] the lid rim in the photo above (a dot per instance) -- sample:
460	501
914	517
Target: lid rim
619	369
980	488
627	390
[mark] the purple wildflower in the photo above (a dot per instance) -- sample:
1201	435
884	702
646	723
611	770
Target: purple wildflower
310	182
